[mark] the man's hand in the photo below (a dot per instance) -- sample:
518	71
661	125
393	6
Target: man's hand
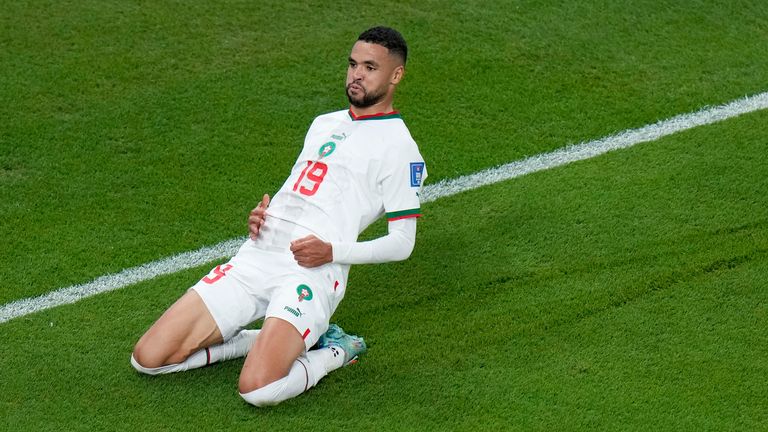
257	217
310	251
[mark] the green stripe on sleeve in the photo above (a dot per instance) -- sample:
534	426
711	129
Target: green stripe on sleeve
404	213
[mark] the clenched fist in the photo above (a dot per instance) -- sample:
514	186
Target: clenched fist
310	251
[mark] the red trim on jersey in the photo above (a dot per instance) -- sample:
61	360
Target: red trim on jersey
404	217
306	333
371	116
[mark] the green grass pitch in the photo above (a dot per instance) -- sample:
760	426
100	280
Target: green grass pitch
625	292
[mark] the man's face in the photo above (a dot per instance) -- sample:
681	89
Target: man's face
370	74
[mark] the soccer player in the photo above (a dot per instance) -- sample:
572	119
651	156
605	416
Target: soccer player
356	165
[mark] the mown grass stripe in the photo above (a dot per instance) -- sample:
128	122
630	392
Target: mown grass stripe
444	188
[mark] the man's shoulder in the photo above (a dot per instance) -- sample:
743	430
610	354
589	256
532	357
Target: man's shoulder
328	120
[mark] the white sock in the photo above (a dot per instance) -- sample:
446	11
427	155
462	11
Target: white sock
236	347
306	371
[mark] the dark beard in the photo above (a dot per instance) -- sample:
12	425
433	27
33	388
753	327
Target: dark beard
369	99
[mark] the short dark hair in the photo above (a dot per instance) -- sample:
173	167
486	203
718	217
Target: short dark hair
387	37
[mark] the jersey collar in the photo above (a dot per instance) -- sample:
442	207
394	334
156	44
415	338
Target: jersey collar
378	116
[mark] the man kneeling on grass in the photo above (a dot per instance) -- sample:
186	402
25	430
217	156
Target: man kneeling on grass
356	165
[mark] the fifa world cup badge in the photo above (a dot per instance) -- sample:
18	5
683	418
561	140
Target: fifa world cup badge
417	169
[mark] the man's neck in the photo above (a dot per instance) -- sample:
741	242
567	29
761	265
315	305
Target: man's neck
380	108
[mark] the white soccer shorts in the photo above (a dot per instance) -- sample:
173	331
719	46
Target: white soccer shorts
262	282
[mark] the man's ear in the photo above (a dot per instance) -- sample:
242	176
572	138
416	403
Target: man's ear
397	75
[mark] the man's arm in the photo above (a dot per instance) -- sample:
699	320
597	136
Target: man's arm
397	245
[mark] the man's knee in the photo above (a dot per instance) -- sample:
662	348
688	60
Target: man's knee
140	367
144	357
260	388
147	357
268	395
254	381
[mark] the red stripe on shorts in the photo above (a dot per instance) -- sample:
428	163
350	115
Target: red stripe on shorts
306	333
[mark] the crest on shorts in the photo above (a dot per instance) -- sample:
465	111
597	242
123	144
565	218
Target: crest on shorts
304	292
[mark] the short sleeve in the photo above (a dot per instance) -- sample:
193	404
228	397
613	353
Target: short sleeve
405	175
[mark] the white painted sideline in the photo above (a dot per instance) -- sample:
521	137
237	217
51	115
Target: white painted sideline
444	188
573	153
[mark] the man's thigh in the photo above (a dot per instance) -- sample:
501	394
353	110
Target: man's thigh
186	327
303	299
234	294
277	347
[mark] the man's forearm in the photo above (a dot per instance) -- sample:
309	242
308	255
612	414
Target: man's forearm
397	245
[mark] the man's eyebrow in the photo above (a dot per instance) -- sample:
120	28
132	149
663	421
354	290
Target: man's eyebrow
367	62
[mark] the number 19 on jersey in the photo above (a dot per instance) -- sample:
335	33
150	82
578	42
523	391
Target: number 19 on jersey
311	177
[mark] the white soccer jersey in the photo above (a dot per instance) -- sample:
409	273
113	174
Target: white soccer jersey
351	171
